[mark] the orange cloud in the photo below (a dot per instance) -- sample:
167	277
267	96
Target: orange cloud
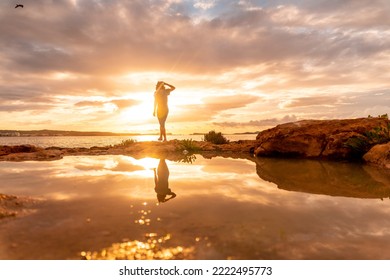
245	59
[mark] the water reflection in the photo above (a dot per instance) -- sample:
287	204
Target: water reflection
152	248
104	207
323	177
161	180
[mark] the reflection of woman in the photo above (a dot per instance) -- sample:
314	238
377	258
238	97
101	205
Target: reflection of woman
161	177
161	106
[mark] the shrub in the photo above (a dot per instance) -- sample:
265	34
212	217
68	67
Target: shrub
384	116
215	138
188	159
360	145
126	143
188	145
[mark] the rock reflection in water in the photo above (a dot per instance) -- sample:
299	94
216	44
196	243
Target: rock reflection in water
323	177
105	207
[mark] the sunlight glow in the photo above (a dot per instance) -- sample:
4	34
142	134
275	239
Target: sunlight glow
139	113
74	2
148	163
152	248
62	76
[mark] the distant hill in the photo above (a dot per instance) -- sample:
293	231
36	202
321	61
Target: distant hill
46	132
237	133
52	133
255	132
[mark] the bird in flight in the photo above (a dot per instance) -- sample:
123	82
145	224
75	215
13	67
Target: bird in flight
18	6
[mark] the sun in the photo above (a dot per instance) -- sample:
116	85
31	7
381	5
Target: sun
143	111
140	113
139	118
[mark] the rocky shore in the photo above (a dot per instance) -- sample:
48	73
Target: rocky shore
364	139
173	149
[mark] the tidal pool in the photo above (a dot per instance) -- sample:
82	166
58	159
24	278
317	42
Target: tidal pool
120	207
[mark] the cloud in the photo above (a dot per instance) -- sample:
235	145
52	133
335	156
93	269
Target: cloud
124	35
221	103
89	104
211	107
204	4
286	52
119	103
311	101
24	107
125	103
258	123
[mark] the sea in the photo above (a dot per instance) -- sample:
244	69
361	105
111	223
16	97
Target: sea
101	141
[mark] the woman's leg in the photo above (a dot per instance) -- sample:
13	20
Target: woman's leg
163	133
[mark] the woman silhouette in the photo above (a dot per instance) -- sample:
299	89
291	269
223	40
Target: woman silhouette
161	106
161	177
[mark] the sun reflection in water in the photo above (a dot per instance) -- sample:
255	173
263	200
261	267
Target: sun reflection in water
153	248
143	219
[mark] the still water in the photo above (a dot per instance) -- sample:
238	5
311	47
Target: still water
100	141
221	208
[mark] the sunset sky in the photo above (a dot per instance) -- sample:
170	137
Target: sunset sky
237	65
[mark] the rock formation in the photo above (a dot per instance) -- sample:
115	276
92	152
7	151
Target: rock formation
333	139
379	155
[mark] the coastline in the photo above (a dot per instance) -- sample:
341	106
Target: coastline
173	149
365	140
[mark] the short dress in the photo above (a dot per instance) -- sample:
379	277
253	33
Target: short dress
162	105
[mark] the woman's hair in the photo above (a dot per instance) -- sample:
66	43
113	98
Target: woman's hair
159	84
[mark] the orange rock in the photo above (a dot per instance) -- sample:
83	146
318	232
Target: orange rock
379	155
337	139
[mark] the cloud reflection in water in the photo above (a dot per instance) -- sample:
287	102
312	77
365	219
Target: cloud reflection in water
105	206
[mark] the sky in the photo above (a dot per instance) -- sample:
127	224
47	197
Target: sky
237	66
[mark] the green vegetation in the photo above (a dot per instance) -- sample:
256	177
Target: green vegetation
127	143
362	143
215	138
188	145
188	159
384	116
